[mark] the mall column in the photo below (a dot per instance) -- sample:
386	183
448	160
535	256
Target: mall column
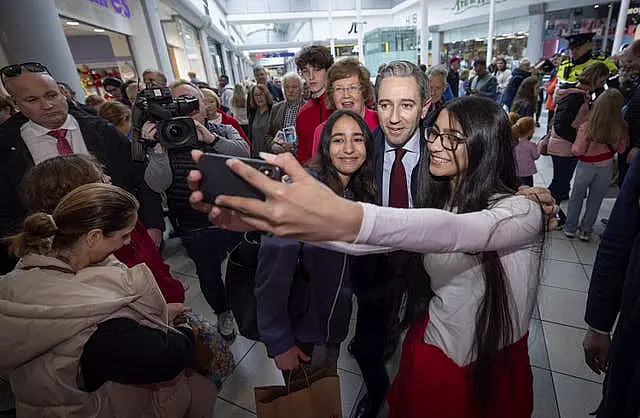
424	32
32	31
621	26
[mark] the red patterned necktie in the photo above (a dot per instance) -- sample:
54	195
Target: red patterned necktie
64	147
398	191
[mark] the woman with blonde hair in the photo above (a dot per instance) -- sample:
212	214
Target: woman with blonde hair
118	114
238	106
603	135
260	99
216	115
107	343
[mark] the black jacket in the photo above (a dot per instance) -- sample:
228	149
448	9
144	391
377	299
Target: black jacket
103	141
569	102
517	77
614	292
453	78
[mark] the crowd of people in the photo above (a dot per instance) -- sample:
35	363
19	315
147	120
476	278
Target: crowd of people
416	199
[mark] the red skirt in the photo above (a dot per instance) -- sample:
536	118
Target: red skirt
430	384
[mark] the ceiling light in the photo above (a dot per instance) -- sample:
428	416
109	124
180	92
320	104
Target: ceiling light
72	23
98	30
595	6
187	36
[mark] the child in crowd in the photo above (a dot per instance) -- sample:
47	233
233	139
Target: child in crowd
526	152
599	138
526	99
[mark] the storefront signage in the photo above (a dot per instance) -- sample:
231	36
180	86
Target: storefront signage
461	6
118	6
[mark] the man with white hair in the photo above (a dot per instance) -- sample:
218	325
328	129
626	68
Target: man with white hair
284	114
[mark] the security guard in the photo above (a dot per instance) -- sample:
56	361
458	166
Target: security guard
582	56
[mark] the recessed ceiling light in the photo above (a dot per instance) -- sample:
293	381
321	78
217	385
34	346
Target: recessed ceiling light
72	23
98	30
595	6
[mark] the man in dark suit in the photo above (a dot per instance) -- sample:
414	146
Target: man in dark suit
46	128
402	92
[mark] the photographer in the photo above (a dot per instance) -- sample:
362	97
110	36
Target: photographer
169	165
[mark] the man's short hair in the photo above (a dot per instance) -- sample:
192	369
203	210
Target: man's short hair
345	68
225	77
480	61
258	68
438	71
112	81
317	56
182	82
403	68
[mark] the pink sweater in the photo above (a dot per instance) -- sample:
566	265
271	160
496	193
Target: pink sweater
526	153
595	152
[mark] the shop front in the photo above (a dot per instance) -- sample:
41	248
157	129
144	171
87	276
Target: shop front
183	43
99	34
598	18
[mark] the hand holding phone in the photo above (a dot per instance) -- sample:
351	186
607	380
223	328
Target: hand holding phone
218	179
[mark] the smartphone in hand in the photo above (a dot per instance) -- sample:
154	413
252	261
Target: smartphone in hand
218	179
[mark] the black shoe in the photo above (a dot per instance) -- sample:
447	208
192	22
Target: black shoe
537	124
363	409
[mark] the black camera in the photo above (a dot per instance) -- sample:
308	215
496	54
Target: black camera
174	128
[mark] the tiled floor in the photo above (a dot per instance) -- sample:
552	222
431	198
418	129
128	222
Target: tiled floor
564	387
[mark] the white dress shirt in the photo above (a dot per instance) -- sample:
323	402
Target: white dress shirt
43	146
410	161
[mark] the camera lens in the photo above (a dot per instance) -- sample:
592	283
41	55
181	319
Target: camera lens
176	131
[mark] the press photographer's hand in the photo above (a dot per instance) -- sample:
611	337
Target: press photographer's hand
148	131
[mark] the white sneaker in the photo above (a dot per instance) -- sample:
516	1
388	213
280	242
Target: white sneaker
227	326
569	234
584	236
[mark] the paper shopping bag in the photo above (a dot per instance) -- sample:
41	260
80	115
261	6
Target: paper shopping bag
319	400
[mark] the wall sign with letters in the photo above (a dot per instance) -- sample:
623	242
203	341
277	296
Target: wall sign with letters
118	6
461	6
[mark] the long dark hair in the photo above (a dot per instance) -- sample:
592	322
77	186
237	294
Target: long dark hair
363	182
489	177
527	93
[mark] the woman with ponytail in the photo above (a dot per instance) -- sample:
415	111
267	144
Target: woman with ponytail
85	336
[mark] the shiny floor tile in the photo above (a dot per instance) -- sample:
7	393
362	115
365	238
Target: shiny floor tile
545	404
562	306
564	275
538	355
562	250
576	397
225	409
566	355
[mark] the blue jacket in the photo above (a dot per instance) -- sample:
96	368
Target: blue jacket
313	312
615	289
517	77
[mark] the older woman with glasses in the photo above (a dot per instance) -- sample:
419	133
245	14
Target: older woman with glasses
348	88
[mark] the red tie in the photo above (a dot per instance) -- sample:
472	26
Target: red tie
398	193
64	147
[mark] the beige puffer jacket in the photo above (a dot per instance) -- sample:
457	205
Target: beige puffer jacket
48	312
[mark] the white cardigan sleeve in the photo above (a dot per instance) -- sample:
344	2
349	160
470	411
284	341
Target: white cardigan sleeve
511	223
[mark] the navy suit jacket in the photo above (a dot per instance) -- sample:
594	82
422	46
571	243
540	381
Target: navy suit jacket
379	144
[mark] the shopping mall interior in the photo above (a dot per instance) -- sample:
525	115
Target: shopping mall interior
83	42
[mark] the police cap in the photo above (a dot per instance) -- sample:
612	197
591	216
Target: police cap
579	39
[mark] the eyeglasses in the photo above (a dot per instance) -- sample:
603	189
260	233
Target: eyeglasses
351	89
16	69
448	140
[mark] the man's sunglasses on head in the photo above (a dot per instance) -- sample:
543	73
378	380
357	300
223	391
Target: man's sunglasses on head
16	69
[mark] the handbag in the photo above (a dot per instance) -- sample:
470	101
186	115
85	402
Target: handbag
222	360
240	283
320	399
543	145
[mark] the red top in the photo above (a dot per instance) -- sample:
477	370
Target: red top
143	250
312	114
370	116
230	120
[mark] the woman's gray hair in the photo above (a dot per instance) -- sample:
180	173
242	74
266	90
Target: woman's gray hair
292	76
404	69
438	71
